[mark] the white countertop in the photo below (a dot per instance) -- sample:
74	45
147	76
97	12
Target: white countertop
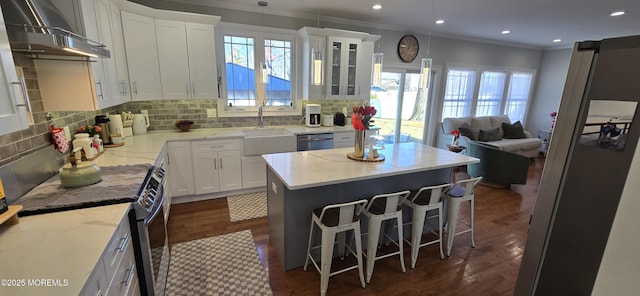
306	169
58	246
67	245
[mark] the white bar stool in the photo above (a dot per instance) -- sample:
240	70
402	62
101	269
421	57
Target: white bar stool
383	207
426	199
332	220
462	191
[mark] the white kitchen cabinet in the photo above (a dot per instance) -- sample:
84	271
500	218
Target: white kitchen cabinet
180	172
142	56
120	88
14	104
218	165
115	273
344	139
342	67
186	53
254	172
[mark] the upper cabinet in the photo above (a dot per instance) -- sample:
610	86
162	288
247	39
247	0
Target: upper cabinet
70	84
142	56
186	54
347	63
120	87
13	98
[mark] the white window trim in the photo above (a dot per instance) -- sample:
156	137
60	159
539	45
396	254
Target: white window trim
259	34
479	69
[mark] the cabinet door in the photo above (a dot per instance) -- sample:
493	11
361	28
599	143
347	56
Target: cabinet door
180	169
343	139
206	164
13	102
254	172
342	67
92	27
202	61
173	59
365	68
142	56
121	77
230	170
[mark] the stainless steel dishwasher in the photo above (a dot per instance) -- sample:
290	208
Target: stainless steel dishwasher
315	142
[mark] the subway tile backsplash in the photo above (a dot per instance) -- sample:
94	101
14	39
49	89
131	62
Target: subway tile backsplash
163	115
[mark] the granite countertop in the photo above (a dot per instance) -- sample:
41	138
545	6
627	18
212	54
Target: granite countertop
63	247
332	166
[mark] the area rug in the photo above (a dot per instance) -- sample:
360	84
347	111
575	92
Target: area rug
247	206
220	265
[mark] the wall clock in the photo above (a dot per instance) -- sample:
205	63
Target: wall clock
408	48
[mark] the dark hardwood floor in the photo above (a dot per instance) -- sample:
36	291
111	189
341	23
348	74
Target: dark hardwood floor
491	268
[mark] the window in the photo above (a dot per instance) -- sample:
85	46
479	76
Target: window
518	95
458	95
497	92
490	93
259	69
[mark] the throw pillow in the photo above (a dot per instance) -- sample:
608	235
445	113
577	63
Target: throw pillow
513	131
489	135
468	132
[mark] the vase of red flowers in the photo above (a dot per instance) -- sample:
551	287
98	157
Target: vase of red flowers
455	142
361	121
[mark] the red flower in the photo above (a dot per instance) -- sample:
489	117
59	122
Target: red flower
361	117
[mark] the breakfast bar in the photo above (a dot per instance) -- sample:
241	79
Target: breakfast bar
298	182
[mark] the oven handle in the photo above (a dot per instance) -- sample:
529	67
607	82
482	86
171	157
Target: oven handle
159	204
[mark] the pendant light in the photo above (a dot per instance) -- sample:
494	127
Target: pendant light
317	57
376	75
264	72
425	65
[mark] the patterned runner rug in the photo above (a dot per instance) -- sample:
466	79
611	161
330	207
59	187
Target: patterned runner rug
220	265
247	206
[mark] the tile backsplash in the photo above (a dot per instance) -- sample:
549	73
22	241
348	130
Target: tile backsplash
162	116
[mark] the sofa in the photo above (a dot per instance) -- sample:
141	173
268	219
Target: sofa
490	131
498	168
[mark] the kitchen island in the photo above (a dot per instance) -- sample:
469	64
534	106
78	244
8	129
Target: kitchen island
298	182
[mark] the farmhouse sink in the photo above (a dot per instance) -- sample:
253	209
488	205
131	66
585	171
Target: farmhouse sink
268	140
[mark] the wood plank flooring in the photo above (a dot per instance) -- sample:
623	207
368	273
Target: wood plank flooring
491	268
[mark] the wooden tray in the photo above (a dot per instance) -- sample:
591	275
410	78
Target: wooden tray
11	215
352	156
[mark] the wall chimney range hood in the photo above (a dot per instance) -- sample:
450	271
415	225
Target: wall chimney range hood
38	27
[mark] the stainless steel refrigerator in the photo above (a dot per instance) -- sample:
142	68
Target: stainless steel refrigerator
587	168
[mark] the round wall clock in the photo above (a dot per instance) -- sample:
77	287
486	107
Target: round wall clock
408	48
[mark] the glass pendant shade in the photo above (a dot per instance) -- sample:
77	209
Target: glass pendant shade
317	69
263	72
377	68
425	73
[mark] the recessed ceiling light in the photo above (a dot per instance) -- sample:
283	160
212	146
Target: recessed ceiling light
377	6
505	32
440	22
557	40
618	13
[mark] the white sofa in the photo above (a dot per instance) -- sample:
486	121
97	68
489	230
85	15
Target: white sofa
528	147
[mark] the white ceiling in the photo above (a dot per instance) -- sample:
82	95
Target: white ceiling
532	23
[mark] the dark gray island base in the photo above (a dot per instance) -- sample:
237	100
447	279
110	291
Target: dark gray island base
289	211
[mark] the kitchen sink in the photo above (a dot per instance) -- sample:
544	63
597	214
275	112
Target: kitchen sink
268	140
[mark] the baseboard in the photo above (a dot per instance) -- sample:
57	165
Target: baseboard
200	197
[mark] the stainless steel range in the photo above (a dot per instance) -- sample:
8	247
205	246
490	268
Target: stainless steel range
149	227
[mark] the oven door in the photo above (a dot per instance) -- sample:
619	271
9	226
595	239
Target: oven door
154	249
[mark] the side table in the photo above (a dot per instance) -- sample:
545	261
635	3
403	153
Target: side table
545	136
456	149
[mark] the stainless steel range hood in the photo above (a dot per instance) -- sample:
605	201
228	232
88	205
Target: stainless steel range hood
38	27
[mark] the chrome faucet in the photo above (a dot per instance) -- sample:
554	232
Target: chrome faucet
260	115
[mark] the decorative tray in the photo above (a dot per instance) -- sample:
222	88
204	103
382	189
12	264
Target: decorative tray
352	156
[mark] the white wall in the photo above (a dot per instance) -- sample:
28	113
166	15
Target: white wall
620	267
551	78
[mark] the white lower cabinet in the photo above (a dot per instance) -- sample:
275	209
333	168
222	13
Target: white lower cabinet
218	164
180	173
254	172
343	139
115	273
